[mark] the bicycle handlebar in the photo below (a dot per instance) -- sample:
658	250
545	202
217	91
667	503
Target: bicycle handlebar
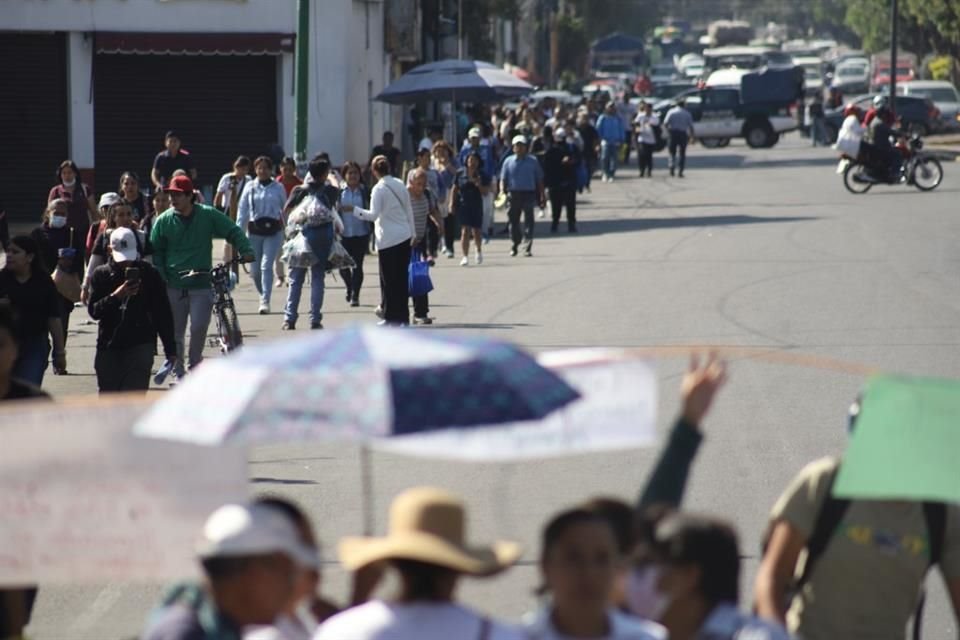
191	273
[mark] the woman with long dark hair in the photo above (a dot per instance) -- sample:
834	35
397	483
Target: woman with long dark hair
26	284
356	232
129	191
62	254
81	206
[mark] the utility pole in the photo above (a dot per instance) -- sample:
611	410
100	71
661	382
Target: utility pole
301	83
894	19
459	29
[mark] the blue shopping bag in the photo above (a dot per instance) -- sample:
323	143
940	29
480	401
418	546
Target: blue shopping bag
418	272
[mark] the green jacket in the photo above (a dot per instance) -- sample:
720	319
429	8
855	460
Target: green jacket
181	244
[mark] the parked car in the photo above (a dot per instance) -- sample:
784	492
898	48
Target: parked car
852	76
944	96
663	72
917	115
812	74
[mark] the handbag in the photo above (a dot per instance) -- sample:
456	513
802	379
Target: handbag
311	212
418	275
265	226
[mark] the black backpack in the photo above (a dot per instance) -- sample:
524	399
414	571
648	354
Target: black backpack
831	515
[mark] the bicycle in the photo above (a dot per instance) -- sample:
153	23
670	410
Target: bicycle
229	337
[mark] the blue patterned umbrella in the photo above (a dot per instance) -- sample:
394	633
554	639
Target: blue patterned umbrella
455	80
357	383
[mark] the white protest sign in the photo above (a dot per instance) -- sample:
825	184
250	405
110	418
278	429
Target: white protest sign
82	500
617	409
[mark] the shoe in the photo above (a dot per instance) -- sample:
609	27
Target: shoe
447	251
316	325
382	323
464	261
264	309
611	178
680	175
513	252
542	213
527	253
478	259
349	296
431	262
288	326
553	227
672	171
417	320
486	239
378	311
355	303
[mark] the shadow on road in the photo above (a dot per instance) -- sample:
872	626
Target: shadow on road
602	227
736	161
288	481
481	325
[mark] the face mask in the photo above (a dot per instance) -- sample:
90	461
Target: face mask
643	597
265	182
58	222
70	183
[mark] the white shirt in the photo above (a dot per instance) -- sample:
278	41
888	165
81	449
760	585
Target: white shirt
646	124
850	136
622	627
380	620
284	628
390	211
224	187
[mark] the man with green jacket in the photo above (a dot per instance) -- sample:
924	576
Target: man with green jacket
182	239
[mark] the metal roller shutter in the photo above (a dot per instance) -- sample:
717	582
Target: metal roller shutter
222	106
33	120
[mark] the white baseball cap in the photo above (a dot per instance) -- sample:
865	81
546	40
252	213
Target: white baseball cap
474	133
109	199
236	530
519	140
123	245
560	133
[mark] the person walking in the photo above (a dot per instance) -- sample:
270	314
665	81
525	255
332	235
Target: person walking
425	209
446	168
466	203
394	230
356	233
288	175
81	208
118	214
679	125
560	165
488	168
182	239
817	133
434	240
28	288
260	214
62	251
612	134
390	152
591	141
647	125
173	157
131	194
426	547
227	197
129	302
312	209
522	179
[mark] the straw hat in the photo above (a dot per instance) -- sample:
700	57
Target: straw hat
427	525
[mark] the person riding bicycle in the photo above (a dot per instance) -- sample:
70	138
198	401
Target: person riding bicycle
885	158
182	238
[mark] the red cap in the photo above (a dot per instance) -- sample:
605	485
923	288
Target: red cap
183	184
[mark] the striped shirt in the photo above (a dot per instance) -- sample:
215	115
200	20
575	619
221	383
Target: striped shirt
421	209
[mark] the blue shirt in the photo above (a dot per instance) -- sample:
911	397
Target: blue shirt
521	174
610	128
353	226
260	201
678	119
487	164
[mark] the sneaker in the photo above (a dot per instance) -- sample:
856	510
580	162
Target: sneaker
382	323
264	308
431	262
527	253
464	261
542	213
355	303
349	296
379	311
478	259
288	326
316	325
672	172
417	320
447	251
513	252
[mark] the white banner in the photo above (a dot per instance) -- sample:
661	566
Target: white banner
82	500
617	410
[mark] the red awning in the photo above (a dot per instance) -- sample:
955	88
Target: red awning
191	44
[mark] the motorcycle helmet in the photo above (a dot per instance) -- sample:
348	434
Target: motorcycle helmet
881	102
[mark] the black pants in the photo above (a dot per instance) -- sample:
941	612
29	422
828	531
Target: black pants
646	158
451	230
124	369
433	238
393	282
522	201
560	198
421	305
353	278
678	142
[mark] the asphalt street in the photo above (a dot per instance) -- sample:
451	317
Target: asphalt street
760	252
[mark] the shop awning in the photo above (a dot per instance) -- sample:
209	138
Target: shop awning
192	44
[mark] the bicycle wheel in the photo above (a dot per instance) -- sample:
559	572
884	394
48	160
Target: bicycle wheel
230	336
927	174
854	180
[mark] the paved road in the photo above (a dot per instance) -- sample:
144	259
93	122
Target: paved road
754	249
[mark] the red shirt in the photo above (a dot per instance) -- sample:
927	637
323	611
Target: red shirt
289	184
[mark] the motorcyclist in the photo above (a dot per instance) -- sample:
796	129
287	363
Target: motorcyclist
880	130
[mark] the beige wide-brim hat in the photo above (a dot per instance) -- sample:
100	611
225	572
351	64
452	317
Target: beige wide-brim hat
428	525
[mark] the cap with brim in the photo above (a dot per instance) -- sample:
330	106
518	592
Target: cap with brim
123	245
519	140
180	184
560	133
241	531
108	199
473	133
427	525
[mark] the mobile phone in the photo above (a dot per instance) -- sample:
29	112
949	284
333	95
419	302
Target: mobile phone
133	275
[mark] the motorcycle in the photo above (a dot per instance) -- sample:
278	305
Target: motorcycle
917	168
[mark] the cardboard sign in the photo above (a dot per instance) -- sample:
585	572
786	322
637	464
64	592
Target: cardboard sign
82	500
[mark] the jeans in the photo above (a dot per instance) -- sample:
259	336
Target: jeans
678	142
646	158
320	239
488	210
353	278
818	135
395	292
608	158
560	198
34	352
197	305
522	201
265	251
124	369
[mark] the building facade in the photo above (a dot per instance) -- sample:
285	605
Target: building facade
100	81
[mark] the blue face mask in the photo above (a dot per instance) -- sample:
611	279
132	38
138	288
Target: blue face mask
58	222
